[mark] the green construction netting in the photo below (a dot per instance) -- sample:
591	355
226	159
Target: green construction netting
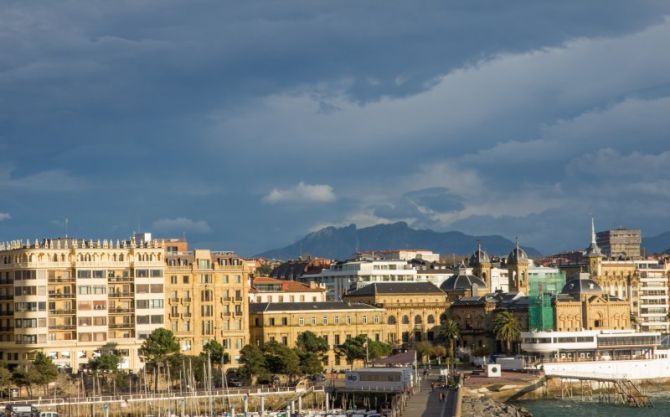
541	290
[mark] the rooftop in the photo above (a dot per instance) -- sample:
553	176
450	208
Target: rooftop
320	306
397	288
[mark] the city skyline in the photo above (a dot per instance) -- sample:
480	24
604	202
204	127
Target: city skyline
245	127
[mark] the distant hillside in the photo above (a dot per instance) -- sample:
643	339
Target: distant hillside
657	244
341	243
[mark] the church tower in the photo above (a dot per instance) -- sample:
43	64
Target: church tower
517	267
593	255
481	266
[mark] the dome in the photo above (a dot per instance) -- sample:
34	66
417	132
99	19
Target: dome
517	255
478	257
462	281
582	286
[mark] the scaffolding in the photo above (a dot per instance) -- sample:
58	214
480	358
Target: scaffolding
542	288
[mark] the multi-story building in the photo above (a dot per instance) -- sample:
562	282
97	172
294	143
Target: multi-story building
400	255
413	309
336	321
620	242
273	290
652	310
208	299
68	297
347	276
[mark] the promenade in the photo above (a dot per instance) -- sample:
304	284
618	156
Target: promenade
426	403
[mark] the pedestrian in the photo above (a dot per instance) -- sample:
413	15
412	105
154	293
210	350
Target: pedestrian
432	386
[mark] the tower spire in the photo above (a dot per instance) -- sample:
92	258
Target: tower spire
593	232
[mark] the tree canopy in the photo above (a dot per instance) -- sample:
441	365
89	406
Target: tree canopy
506	328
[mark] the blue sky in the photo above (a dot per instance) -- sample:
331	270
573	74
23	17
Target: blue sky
245	125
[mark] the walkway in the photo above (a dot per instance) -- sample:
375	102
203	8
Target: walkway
426	403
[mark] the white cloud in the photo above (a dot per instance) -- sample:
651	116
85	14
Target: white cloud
55	180
302	193
4	216
181	224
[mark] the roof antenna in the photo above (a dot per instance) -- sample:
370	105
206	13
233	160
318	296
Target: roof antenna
67	221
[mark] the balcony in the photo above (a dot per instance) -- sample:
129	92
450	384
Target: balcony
57	280
6	328
6	313
63	327
121	294
5	281
6	297
118	310
121	325
61	295
120	279
63	311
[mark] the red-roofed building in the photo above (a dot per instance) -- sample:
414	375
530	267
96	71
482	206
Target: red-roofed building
273	290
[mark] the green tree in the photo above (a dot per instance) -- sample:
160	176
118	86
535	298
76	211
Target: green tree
264	270
253	363
353	349
449	333
424	349
45	370
26	376
310	342
311	350
376	350
157	349
281	359
217	353
506	329
440	351
6	380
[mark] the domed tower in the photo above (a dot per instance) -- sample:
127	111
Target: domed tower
593	255
481	265
517	267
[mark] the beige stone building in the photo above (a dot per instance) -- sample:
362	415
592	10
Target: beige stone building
207	298
413	309
336	321
68	297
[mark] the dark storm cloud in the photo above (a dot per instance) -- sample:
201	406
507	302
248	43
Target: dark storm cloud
189	115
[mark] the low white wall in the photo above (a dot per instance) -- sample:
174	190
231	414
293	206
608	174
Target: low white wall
643	369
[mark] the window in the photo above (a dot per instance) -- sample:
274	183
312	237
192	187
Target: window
325	320
173	279
205	279
314	321
185	279
301	321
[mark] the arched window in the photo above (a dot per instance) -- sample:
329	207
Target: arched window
431	319
405	319
417	319
391	320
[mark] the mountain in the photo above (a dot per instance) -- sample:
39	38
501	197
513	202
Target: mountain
657	244
341	243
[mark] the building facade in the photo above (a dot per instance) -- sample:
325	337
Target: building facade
208	299
335	321
620	242
68	297
413	310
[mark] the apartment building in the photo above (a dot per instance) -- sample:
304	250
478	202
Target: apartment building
68	297
208	299
620	242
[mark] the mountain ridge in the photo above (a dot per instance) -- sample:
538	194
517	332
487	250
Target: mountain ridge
341	242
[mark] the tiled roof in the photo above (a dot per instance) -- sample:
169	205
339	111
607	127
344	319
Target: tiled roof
319	306
397	288
286	285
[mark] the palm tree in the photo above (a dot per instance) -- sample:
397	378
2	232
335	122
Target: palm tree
450	332
506	329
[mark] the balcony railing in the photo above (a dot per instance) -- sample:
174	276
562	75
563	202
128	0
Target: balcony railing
63	327
120	279
115	310
121	294
121	325
63	311
56	280
6	313
6	297
61	295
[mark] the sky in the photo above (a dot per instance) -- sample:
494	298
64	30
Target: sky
245	125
